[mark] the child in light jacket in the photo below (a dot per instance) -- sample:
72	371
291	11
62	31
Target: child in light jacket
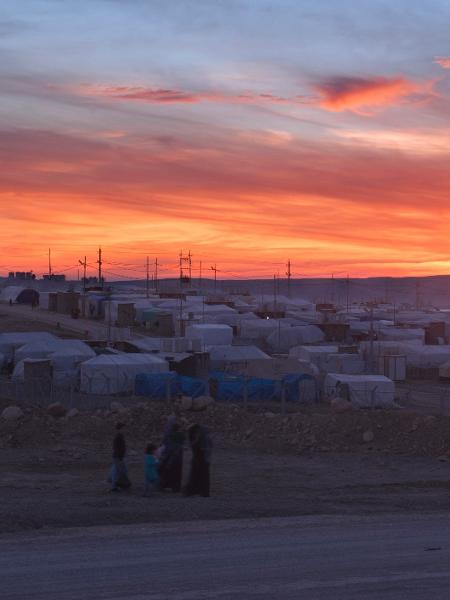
151	470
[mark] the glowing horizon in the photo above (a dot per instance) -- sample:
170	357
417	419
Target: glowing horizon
308	134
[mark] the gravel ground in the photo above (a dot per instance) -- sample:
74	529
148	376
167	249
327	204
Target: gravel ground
53	474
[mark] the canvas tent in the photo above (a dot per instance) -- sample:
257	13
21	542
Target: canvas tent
343	363
113	374
10	342
210	335
363	391
223	356
317	355
284	339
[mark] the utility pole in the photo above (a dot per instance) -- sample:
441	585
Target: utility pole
418	299
214	268
49	263
190	265
84	265
147	287
200	277
371	366
275	292
289	275
100	262
348	292
156	273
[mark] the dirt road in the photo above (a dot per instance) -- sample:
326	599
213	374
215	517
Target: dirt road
383	557
66	486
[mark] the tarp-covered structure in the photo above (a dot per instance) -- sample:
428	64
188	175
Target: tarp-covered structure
236	388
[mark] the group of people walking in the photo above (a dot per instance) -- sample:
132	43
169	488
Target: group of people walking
163	465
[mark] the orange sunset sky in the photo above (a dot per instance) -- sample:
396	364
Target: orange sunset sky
248	131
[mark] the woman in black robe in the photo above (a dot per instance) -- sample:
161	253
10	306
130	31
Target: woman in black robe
171	462
201	446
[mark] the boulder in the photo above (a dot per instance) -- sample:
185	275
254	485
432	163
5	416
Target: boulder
12	413
185	403
201	403
368	436
117	407
73	412
56	410
340	405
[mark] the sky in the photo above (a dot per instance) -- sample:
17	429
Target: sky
247	132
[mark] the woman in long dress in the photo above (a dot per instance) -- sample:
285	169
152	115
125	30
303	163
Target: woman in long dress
171	461
199	478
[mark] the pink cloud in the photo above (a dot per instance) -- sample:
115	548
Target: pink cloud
443	61
355	93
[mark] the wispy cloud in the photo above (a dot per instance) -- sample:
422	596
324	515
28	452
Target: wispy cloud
157	95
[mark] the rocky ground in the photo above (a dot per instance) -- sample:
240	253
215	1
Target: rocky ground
53	464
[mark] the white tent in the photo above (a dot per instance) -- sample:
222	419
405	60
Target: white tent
313	354
49	348
343	363
426	357
231	319
258	329
222	356
286	338
401	333
10	342
364	391
444	371
66	358
210	335
36	350
277	368
10	293
112	374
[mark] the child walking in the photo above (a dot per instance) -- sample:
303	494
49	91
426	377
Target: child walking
151	470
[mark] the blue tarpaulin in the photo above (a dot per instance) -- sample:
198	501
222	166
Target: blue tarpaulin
292	385
234	388
226	387
156	385
190	386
